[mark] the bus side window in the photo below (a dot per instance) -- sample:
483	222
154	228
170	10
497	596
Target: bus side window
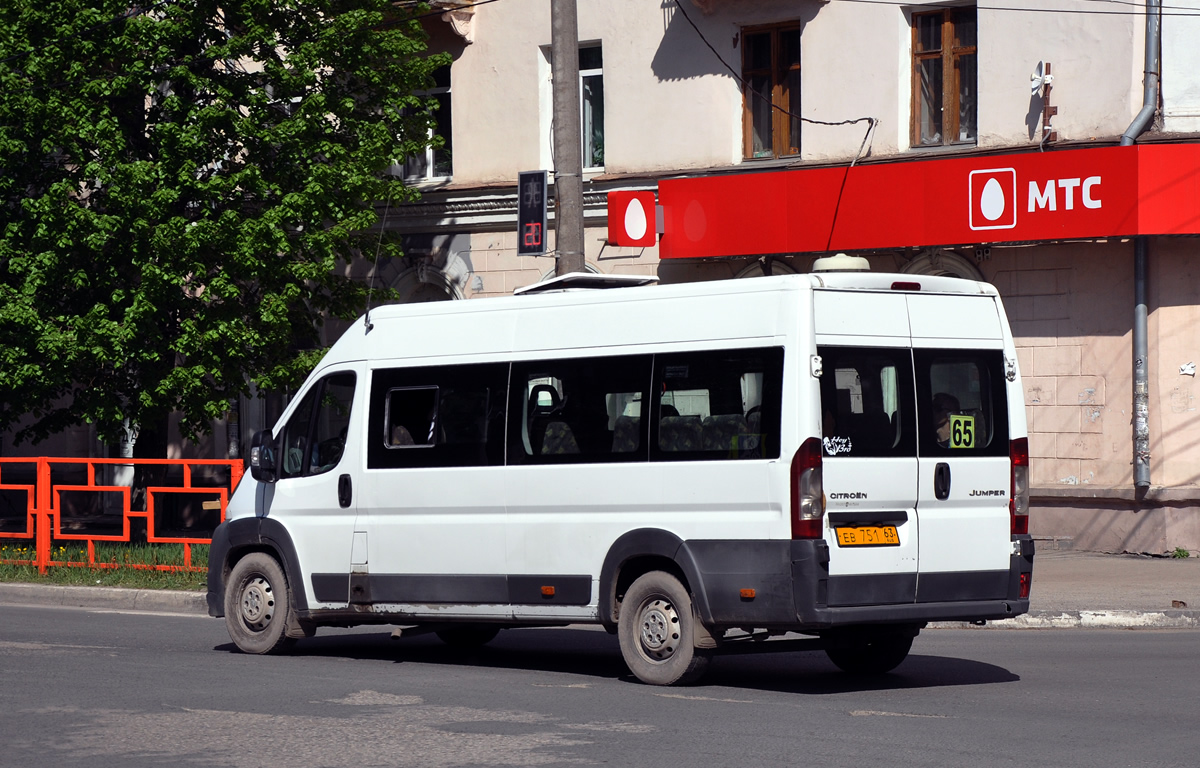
452	416
411	417
578	410
720	404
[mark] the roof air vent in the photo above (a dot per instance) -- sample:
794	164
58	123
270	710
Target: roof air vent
841	263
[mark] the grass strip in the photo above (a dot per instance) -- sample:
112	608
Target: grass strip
117	565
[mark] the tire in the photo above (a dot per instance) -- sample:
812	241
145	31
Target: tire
869	653
656	627
468	636
257	603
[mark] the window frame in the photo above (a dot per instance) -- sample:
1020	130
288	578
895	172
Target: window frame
950	54
586	143
610	375
771	360
992	393
782	116
389	399
313	400
838	438
430	155
449	381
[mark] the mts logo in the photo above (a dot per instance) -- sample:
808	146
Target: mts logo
1046	196
994	197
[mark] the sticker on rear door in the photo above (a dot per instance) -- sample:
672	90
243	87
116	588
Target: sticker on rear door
962	431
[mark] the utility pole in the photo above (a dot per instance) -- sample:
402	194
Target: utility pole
568	160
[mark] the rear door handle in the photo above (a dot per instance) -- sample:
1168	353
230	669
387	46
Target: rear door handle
345	493
941	481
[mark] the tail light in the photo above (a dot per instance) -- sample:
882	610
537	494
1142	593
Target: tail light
1018	505
808	495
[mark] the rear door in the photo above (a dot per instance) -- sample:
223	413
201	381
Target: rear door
869	454
869	459
963	442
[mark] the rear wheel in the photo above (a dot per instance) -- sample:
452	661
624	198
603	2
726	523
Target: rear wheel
869	653
656	628
468	635
257	603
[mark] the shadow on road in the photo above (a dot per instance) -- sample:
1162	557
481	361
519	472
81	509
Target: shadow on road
596	654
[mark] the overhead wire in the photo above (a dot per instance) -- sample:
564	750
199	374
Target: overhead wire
871	121
1138	9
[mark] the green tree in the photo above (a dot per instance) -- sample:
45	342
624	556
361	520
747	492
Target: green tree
182	185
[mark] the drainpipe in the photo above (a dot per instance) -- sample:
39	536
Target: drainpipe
1141	256
1141	380
1150	78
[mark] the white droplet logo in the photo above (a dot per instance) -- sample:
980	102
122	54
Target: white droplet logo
635	219
991	202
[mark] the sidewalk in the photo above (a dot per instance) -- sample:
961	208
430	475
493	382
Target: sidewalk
1070	589
1088	589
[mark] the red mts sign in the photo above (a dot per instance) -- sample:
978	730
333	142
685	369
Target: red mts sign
631	218
1104	192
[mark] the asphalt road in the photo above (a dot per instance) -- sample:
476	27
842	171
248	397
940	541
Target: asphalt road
96	689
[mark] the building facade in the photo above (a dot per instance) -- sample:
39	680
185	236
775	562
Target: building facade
924	136
802	127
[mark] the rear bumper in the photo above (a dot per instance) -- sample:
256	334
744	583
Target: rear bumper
792	588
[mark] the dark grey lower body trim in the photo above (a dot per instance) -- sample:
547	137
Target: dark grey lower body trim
967	610
452	589
331	587
447	589
968	585
793	588
774	584
568	590
873	589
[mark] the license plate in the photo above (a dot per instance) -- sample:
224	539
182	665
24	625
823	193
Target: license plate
868	536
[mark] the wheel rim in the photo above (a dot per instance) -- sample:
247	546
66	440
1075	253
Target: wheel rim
658	629
257	603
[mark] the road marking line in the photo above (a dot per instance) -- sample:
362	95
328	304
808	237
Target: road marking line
702	698
875	713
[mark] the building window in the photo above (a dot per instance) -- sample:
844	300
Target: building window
945	95
591	105
435	163
771	79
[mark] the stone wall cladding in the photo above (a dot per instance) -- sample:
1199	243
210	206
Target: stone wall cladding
1065	387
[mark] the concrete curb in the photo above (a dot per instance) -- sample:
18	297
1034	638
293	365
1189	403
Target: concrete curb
1175	619
149	600
177	601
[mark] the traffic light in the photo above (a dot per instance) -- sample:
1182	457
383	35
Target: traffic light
531	213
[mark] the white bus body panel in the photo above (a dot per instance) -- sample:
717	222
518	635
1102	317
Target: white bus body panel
512	520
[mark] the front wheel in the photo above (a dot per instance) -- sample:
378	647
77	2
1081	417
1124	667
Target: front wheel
656	628
873	653
257	605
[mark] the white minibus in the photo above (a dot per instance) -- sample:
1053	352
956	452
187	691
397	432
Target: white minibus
703	468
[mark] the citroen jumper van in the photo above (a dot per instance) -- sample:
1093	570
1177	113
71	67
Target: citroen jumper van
825	461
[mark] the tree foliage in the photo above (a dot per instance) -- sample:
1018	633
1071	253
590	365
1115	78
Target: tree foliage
182	184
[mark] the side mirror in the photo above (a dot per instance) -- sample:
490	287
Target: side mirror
262	457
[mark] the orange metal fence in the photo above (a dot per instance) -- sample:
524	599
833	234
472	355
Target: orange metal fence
71	507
